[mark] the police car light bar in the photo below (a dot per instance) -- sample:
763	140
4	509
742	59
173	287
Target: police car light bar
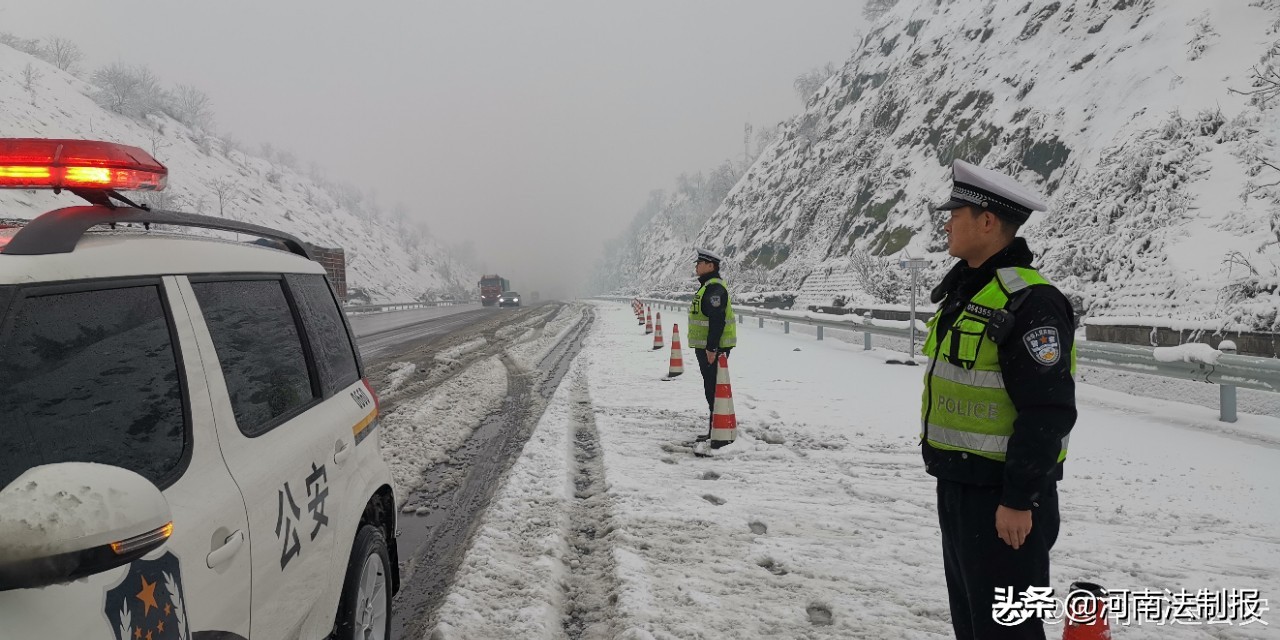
41	163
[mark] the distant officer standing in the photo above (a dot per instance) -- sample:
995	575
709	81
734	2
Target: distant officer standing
999	403
712	331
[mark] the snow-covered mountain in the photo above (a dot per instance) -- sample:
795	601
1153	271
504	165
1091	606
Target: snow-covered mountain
388	256
1150	125
660	238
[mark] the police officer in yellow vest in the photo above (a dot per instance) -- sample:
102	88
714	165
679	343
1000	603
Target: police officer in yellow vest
998	405
712	331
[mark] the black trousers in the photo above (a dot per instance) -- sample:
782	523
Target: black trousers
977	560
708	371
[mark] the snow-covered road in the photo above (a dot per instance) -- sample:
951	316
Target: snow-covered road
820	521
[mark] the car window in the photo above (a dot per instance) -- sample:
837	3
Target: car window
7	293
92	376
259	348
330	343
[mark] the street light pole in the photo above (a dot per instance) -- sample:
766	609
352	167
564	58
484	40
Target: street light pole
915	265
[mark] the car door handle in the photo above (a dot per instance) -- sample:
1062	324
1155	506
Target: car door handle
228	549
340	452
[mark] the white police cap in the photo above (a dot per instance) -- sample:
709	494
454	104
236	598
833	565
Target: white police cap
994	191
708	255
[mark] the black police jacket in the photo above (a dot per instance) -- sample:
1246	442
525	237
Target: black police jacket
1044	395
715	313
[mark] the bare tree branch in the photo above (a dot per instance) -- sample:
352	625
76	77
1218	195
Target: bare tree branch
63	54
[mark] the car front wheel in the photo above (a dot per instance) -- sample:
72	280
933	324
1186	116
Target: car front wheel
364	611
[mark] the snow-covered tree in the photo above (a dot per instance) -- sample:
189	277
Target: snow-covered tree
879	276
30	79
63	54
876	8
808	82
192	107
226	191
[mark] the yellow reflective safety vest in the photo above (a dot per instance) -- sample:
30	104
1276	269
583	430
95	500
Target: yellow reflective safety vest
700	324
965	406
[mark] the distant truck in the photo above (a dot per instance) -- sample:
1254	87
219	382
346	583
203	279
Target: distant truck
334	261
491	288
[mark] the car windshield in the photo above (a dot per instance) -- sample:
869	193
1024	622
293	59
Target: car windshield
511	294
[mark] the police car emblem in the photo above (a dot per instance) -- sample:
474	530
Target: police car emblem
1043	344
148	603
714	300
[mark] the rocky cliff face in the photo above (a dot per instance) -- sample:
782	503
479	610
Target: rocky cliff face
1151	128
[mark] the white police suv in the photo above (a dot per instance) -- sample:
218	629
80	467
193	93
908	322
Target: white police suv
187	444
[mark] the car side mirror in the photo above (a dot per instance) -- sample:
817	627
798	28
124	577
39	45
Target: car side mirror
68	520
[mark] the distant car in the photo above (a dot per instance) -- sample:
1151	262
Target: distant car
509	299
188	445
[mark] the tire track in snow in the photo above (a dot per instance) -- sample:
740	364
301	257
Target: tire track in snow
591	588
457	492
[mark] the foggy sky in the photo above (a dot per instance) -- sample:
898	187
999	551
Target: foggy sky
536	129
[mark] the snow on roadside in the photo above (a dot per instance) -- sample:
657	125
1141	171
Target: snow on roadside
512	330
839	519
1190	352
826	534
453	353
509	584
399	372
420	433
530	351
820	521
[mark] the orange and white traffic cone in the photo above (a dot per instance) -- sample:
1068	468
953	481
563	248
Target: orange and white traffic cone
648	321
677	359
636	307
1086	617
657	333
724	423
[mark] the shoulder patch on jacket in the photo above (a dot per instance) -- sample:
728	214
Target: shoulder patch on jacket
1043	345
714	300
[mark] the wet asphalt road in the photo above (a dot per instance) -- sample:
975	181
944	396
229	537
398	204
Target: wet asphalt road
387	342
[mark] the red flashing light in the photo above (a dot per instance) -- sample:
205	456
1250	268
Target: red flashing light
40	163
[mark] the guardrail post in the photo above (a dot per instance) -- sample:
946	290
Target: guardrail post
819	333
1227	392
866	341
786	326
761	319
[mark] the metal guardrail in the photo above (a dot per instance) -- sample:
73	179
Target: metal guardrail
1229	372
401	306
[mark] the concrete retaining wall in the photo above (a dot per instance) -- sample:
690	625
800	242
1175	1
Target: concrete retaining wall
1266	345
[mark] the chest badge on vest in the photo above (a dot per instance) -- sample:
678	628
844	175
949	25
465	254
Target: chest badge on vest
1043	344
979	310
